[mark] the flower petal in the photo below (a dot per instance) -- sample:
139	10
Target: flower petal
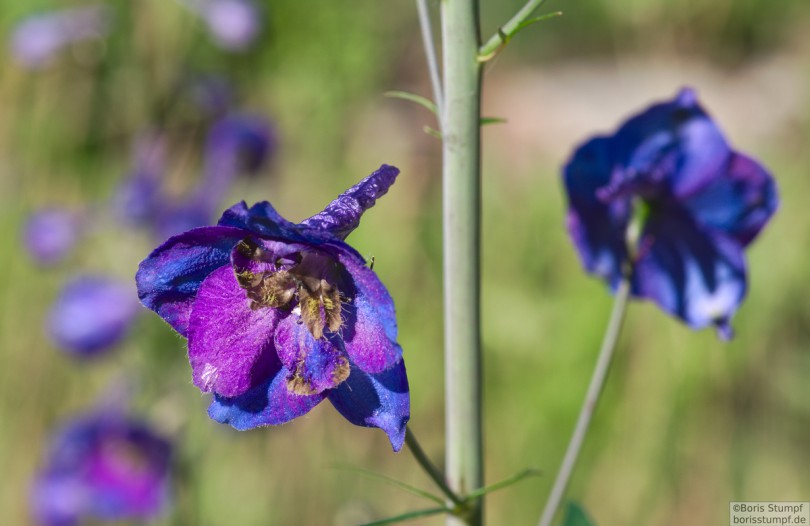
230	345
674	144
739	202
697	276
169	278
370	331
261	219
317	364
596	227
343	214
376	400
268	404
91	314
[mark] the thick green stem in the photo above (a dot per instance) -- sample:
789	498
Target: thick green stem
462	267
589	405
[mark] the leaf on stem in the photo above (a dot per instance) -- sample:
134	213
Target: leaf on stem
408	516
527	23
413	97
492	120
575	516
502	484
394	482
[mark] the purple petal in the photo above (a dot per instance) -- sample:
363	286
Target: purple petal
169	278
50	235
91	314
230	346
261	219
343	214
318	364
596	227
370	331
694	275
738	202
268	404
376	400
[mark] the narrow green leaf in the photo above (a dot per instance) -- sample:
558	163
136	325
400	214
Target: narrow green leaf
575	516
531	21
413	97
492	120
394	482
503	484
408	516
433	133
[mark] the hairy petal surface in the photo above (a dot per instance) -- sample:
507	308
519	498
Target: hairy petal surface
376	400
343	214
317	365
737	203
169	278
697	276
370	334
230	345
268	404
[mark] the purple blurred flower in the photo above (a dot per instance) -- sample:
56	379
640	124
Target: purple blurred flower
50	234
280	316
138	197
234	24
701	203
92	314
39	37
102	466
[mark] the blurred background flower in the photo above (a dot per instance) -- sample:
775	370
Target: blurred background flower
50	234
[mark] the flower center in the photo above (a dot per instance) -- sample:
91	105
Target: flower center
304	282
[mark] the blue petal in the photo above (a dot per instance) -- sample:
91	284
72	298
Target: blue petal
673	145
596	227
695	275
268	404
739	202
343	214
261	219
169	278
376	400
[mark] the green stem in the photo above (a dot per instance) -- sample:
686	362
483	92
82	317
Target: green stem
508	30
589	405
462	268
430	54
432	471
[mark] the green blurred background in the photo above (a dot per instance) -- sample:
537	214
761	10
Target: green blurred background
687	423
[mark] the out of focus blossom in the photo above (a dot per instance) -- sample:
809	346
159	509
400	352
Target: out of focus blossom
92	314
234	24
695	201
103	466
50	234
36	39
138	197
244	142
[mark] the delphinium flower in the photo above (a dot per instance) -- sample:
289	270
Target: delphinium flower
36	39
103	466
137	198
50	234
234	24
279	316
666	201
91	315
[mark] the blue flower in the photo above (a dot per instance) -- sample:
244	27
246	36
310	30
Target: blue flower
103	466
280	316
91	315
698	204
51	234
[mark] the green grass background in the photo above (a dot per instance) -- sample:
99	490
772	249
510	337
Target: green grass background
686	424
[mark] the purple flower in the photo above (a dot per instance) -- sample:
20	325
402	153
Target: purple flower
234	24
49	235
138	197
38	38
92	314
698	204
102	466
279	316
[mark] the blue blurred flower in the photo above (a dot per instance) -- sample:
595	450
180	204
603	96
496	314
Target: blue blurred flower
234	24
698	204
138	197
50	234
280	316
36	39
92	314
102	466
